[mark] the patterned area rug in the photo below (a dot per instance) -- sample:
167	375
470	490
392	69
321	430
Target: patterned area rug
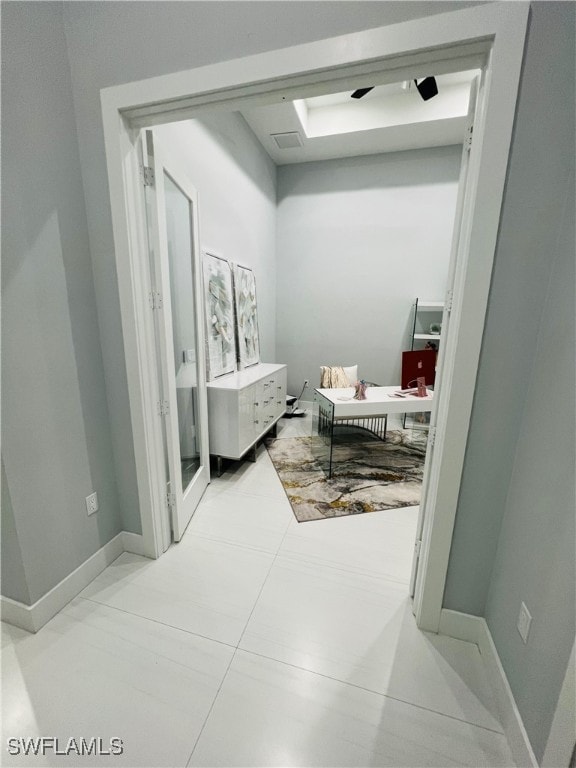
368	474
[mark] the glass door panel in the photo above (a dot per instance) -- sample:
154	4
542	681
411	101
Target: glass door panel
184	351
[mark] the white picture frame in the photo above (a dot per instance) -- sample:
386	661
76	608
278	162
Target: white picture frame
219	310
246	310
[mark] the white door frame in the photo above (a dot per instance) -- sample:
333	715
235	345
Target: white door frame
490	37
185	499
455	259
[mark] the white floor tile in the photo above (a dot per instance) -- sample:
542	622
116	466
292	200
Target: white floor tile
361	630
349	680
269	714
97	672
255	478
244	519
203	586
374	544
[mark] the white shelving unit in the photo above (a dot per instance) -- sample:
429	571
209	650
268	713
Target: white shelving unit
425	314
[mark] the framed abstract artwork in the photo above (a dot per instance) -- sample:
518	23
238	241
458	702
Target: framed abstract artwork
246	317
219	306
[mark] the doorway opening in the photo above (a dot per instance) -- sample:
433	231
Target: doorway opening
338	197
488	38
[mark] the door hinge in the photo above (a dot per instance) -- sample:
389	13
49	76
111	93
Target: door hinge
431	436
155	300
163	407
468	138
148	177
171	500
448	301
417	547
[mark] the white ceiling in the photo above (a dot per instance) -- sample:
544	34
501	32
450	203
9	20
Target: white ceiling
388	119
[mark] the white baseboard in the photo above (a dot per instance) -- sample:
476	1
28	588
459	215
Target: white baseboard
474	629
462	626
33	617
132	542
18	614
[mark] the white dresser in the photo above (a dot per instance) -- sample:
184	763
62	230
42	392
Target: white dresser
243	407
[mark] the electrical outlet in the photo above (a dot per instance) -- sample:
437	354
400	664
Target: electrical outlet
306	382
524	621
92	503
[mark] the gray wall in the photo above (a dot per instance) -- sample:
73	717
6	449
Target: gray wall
358	240
543	145
56	444
14	583
236	184
516	509
535	559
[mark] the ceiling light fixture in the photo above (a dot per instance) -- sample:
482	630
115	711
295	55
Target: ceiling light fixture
361	92
427	88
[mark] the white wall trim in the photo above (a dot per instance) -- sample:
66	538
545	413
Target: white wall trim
474	629
132	542
33	617
18	614
462	626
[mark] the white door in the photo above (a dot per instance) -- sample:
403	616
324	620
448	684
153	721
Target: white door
456	241
172	213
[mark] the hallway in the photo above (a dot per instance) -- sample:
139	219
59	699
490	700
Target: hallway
256	641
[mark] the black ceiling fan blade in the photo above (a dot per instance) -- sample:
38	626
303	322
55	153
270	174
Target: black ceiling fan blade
361	92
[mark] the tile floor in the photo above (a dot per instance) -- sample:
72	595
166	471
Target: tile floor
256	641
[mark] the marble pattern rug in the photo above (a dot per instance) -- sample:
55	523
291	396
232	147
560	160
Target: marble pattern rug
368	474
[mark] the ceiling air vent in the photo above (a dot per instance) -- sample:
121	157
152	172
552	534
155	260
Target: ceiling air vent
287	140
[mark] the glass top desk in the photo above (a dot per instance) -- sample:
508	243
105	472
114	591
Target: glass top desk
335	411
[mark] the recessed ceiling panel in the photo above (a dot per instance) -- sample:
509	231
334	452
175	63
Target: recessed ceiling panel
287	140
